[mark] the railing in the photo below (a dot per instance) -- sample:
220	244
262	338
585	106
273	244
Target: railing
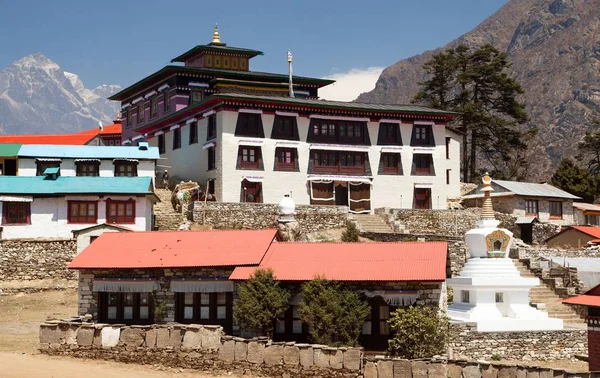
593	320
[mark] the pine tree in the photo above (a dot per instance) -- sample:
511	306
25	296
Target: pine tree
575	180
473	83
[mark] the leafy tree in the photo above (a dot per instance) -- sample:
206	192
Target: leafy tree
473	83
419	332
260	300
334	315
575	180
351	233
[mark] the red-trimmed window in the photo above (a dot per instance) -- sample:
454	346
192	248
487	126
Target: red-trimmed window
531	208
166	102
249	156
285	159
141	113
422	164
338	162
154	107
390	162
212	127
124	168
120	211
16	213
556	210
83	212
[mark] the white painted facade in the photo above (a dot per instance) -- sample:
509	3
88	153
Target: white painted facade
49	217
86	233
190	162
28	167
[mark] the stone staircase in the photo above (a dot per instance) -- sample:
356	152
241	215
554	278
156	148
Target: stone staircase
165	218
370	223
545	299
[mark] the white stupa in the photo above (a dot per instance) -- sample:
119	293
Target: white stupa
489	290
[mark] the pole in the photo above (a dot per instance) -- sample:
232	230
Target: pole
290	59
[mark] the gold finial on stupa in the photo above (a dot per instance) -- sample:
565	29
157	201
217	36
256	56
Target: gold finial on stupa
216	37
487	210
118	116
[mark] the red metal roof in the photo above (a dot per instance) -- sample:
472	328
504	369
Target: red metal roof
403	261
589	298
589	230
170	249
79	138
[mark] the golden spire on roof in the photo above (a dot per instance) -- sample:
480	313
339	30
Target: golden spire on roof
487	210
118	116
216	37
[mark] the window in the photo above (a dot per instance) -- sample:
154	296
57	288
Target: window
205	308
251	191
448	147
88	168
497	247
390	163
196	96
212	164
16	213
166	102
212	127
126	308
592	220
338	162
129	114
43	165
153	107
465	296
249	157
328	131
499	297
422	164
422	136
193	133
125	168
531	207
384	315
176	138
250	125
141	113
447	176
285	127
556	210
161	144
422	198
389	134
120	211
83	212
285	159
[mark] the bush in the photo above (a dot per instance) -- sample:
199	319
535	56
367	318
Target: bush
334	315
351	234
419	332
261	299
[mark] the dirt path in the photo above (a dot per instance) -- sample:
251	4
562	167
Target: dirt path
41	366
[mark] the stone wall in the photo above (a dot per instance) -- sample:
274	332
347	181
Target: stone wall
542	231
466	342
206	348
230	215
198	347
36	259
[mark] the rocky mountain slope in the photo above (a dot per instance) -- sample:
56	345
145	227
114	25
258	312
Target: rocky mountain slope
554	46
36	97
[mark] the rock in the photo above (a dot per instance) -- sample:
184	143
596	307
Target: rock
132	337
211	338
162	337
256	352
437	370
471	372
85	336
49	334
454	371
150	340
192	339
507	372
274	355
370	370
385	369
336	359
352	359
533	373
307	357
241	351
227	351
110	336
489	372
321	357
419	369
291	355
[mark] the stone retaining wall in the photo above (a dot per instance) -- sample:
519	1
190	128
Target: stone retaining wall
35	259
206	348
466	342
233	215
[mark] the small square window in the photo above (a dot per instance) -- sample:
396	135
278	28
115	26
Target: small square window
465	296
499	297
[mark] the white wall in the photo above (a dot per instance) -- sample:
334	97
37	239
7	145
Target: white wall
84	238
190	162
28	167
49	217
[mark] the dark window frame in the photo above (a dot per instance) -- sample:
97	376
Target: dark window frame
124	173
422	136
162	144
193	133
391	163
177	138
256	191
80	171
249	152
120	219
325	161
213	305
196	96
249	125
448	176
129	117
553	213
211	132
389	134
83	219
285	127
166	102
448	139
104	304
531	206
22	209
281	153
153	107
141	113
212	158
333	131
41	166
423	165
422	203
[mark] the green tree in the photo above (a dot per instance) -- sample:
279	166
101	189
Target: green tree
351	233
575	180
419	332
261	299
589	153
334	315
474	84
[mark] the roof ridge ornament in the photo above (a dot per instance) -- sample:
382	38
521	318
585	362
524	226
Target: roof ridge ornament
217	37
487	209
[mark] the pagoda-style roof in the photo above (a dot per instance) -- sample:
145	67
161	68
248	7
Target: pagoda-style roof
216	48
213	73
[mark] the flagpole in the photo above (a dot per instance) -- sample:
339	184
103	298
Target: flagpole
289	59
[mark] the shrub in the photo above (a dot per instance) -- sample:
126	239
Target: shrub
351	233
419	332
496	357
260	300
334	315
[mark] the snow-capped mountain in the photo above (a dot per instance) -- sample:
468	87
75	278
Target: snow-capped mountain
37	97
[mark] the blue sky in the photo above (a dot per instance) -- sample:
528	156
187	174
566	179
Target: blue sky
120	42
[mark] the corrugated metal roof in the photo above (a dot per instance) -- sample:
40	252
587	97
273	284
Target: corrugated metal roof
403	261
525	220
40	185
524	189
9	149
589	298
99	152
175	249
589	230
586	206
79	138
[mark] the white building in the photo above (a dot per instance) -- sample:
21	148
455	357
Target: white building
53	206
